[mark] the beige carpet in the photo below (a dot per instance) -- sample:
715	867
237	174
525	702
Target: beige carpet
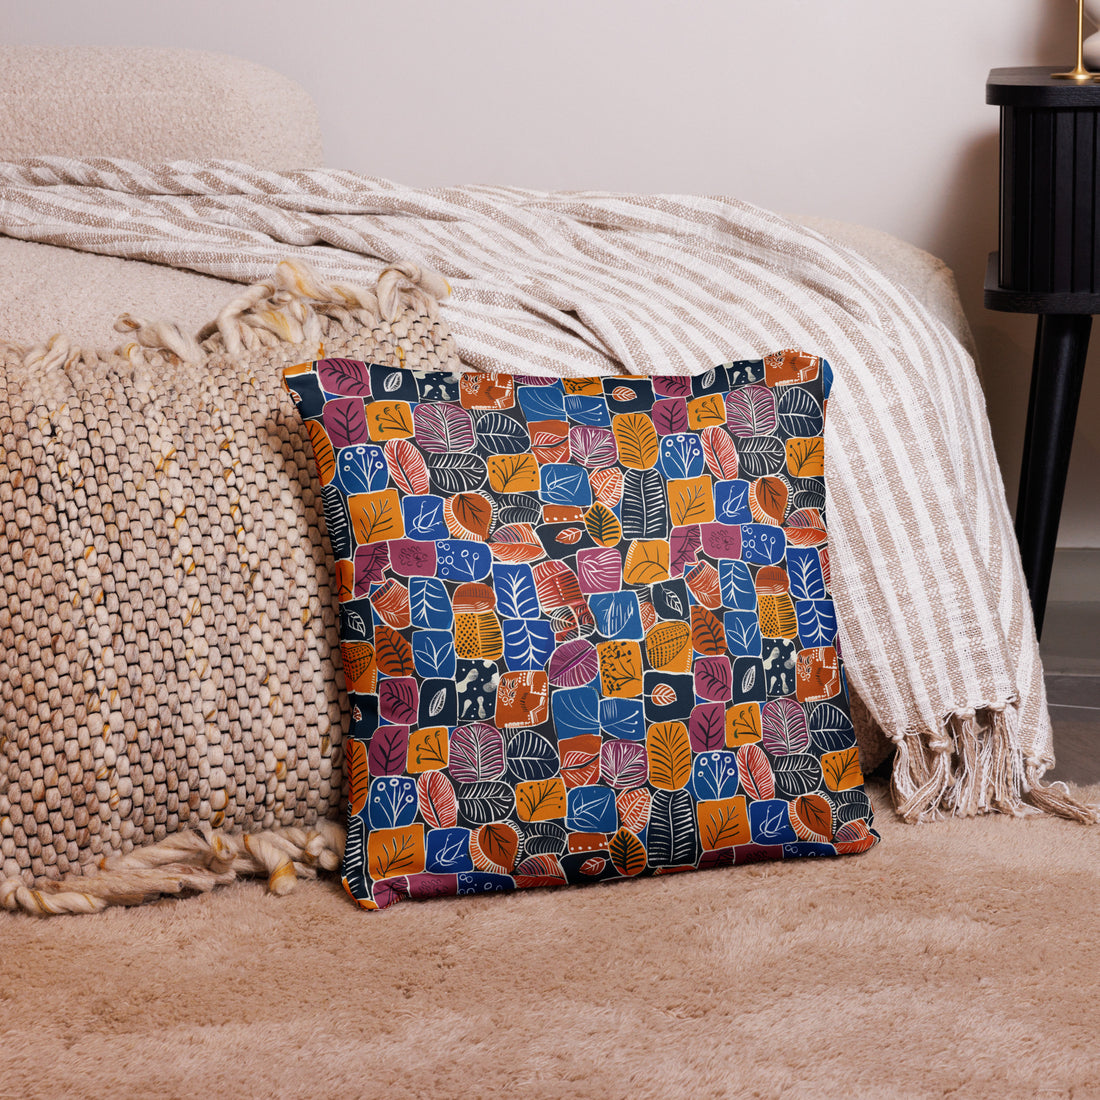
960	959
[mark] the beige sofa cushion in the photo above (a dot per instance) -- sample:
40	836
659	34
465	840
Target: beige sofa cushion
153	105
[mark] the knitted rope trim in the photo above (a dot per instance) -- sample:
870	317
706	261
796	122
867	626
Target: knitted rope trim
190	862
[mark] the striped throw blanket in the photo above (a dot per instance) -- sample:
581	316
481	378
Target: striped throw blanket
936	626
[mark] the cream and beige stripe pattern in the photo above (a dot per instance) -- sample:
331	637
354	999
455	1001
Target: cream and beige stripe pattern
936	626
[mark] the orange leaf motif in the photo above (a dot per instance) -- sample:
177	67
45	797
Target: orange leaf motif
360	669
608	486
393	852
355	755
707	634
513	473
806	457
469	516
621	668
603	525
664	695
768	500
669	750
691	501
842	771
812	818
494	847
516	542
627	853
720	452
637	440
542	799
323	454
743	725
724	823
705	585
668	647
633	807
391	601
646	561
392	653
376	517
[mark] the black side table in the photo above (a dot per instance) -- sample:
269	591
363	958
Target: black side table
1048	264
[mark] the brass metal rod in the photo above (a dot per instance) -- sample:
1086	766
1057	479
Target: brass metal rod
1079	71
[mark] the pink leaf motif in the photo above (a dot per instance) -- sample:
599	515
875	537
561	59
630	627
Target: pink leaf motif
573	664
432	886
592	447
370	560
390	891
476	753
670	417
398	699
346	377
593	866
623	764
672	385
751	411
683	544
438	805
719	452
714	679
388	750
443	429
407	467
707	727
600	569
345	420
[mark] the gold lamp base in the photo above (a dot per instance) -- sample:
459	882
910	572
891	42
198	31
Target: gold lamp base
1079	72
1076	74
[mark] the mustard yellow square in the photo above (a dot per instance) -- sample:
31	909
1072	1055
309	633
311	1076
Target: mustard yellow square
389	420
704	412
514	473
691	500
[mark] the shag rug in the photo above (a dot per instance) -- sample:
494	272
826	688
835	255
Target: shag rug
959	959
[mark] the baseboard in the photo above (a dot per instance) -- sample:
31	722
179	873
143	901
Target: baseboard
1076	575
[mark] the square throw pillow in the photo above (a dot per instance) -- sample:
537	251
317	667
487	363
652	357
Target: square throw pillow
585	624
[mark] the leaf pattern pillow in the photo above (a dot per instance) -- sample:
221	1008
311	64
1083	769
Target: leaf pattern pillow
585	624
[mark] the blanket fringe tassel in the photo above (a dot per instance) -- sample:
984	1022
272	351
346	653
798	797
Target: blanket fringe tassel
190	862
974	765
289	308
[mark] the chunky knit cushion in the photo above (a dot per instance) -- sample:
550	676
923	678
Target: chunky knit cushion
167	620
585	624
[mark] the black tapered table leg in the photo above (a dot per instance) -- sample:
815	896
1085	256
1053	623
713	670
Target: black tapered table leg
1061	343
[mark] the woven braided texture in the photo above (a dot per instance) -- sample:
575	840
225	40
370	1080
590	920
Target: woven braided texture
167	622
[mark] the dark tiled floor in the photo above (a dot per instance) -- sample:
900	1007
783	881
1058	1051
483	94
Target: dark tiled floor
1071	659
